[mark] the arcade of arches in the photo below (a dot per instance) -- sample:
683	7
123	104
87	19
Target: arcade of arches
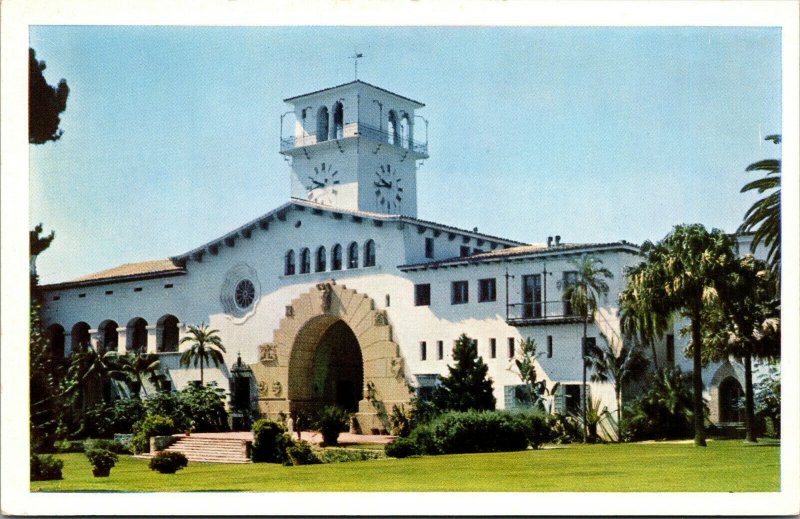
332	347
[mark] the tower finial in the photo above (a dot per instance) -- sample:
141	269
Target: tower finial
355	57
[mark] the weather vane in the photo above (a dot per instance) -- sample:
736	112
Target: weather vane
355	57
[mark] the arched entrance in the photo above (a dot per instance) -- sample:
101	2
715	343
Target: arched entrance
730	399
332	348
326	368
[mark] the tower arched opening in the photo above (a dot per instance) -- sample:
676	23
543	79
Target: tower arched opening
322	124
730	401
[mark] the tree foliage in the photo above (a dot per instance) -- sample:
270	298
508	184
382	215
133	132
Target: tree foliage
45	103
466	386
681	274
764	216
744	321
617	364
535	390
204	346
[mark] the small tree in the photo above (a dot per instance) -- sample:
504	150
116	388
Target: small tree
204	345
616	364
467	386
535	390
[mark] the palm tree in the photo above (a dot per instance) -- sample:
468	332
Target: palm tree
764	216
582	291
616	364
204	345
641	320
745	323
135	365
681	274
89	369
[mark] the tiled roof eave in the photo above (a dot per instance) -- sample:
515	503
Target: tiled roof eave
114	279
521	256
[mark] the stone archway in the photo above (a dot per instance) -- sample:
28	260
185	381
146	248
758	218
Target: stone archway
332	346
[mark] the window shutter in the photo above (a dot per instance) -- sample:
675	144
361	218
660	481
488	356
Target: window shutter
559	401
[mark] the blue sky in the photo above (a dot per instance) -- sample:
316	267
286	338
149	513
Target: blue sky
171	134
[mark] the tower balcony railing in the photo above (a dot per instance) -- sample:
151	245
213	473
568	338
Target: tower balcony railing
355	130
542	312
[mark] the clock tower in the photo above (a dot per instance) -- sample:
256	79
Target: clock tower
353	146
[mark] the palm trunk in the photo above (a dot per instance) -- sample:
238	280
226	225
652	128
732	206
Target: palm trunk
619	415
749	413
583	365
201	368
655	358
697	380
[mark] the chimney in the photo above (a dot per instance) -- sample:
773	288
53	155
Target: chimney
558	239
549	241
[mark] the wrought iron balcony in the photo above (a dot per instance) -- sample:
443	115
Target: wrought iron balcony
356	130
542	312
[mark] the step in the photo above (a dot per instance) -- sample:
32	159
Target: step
210	450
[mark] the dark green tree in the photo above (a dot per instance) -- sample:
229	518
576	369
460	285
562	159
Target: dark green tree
764	217
744	323
45	103
681	274
466	386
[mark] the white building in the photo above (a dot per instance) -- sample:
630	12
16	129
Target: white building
342	295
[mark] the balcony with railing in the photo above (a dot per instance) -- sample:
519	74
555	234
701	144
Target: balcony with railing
357	130
542	312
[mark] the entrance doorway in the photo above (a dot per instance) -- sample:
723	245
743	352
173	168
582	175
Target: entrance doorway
327	367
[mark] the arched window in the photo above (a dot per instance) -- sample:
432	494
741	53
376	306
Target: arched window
352	256
391	127
136	333
305	261
322	124
108	337
369	254
405	131
321	260
55	340
167	334
289	268
80	335
730	401
338	121
336	257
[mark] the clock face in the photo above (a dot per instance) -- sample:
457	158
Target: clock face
388	188
321	184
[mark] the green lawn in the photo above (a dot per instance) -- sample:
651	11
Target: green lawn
724	466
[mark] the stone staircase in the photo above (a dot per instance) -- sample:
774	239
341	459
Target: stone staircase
211	449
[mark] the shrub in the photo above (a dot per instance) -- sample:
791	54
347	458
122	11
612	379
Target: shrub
102	460
563	429
300	453
206	407
167	462
422	412
334	455
45	468
65	446
270	442
537	429
124	413
664	409
475	431
171	406
401	448
400	420
423	437
111	445
331	421
150	426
